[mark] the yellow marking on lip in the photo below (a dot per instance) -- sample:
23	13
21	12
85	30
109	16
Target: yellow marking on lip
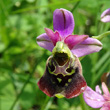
69	80
59	80
59	95
66	84
70	73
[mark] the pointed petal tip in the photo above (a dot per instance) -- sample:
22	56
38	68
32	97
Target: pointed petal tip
82	89
54	36
44	41
77	86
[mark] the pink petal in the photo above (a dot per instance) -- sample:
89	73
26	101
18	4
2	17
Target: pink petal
106	12
92	98
44	41
90	45
73	40
55	37
63	22
106	18
97	89
105	89
106	106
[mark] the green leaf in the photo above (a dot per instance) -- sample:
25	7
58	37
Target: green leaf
7	92
28	97
14	50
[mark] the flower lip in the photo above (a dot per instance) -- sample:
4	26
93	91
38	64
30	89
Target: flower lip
59	80
73	40
54	36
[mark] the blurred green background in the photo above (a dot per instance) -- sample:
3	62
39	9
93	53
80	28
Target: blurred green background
22	61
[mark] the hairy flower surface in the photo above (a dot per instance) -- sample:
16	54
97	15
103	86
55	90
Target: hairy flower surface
105	16
63	24
95	99
63	74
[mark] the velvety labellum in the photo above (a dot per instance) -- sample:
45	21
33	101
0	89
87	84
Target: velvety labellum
62	75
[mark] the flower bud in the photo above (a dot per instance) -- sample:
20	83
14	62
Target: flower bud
105	16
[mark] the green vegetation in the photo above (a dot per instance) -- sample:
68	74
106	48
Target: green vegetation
22	61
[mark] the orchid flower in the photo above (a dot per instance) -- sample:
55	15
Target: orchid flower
106	79
63	74
63	24
105	16
95	99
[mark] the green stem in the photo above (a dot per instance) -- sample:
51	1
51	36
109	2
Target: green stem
13	83
83	104
25	84
47	103
100	37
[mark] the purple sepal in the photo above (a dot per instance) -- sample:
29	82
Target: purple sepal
44	41
55	37
90	45
63	22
